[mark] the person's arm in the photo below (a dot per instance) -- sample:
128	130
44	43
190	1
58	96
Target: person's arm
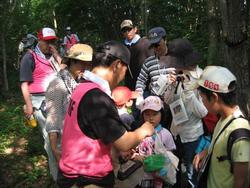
55	96
99	119
241	157
27	67
142	79
77	38
131	139
26	96
241	174
196	104
53	139
55	54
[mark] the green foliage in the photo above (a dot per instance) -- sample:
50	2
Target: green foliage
21	149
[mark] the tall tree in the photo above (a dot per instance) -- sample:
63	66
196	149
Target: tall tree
7	9
213	32
234	31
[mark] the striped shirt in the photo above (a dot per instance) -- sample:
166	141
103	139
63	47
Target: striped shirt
150	73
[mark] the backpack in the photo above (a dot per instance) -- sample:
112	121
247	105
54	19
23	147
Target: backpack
236	135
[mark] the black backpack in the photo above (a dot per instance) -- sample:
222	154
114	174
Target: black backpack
236	135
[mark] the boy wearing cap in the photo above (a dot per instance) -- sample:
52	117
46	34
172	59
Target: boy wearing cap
38	67
92	124
139	49
70	39
217	87
58	93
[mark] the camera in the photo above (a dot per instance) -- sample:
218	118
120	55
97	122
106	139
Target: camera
180	77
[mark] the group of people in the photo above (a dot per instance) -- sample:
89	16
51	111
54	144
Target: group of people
83	114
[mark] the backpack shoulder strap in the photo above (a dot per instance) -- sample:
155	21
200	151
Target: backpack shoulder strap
235	136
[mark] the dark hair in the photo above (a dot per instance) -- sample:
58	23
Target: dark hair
103	59
229	99
68	61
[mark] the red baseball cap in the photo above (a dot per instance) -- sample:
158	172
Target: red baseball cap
46	34
122	94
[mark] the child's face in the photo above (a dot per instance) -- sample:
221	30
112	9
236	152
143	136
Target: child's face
152	116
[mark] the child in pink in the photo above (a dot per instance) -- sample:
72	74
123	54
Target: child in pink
152	111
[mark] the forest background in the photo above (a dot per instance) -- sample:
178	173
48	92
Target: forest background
218	29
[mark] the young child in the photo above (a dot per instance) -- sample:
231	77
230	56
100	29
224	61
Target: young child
152	111
123	98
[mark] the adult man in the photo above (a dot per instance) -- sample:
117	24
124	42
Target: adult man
38	67
217	86
139	49
70	39
151	69
92	123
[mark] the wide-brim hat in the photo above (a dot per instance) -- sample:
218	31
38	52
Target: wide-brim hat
82	52
181	55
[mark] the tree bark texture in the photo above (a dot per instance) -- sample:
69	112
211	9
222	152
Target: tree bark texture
213	32
5	77
234	32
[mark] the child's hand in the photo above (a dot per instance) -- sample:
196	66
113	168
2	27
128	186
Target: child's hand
198	158
138	157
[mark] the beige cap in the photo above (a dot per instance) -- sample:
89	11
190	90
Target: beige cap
82	52
126	23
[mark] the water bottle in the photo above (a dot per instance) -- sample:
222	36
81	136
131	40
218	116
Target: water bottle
30	121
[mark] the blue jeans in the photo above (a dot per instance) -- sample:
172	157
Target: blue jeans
189	153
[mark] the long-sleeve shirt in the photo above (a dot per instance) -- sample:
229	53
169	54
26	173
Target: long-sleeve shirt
150	73
191	129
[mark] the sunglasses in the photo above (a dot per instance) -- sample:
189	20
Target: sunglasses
156	45
126	29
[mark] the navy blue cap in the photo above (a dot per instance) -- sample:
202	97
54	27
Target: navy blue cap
156	34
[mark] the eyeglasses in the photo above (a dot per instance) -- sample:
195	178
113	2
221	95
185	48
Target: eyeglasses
126	29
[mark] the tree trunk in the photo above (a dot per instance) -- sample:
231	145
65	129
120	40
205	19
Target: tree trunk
213	32
234	32
5	77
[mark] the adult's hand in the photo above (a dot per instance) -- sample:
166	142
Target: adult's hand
28	110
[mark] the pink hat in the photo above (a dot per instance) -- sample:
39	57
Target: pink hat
122	94
152	103
46	34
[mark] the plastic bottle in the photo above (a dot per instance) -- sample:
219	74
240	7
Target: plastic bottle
30	120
